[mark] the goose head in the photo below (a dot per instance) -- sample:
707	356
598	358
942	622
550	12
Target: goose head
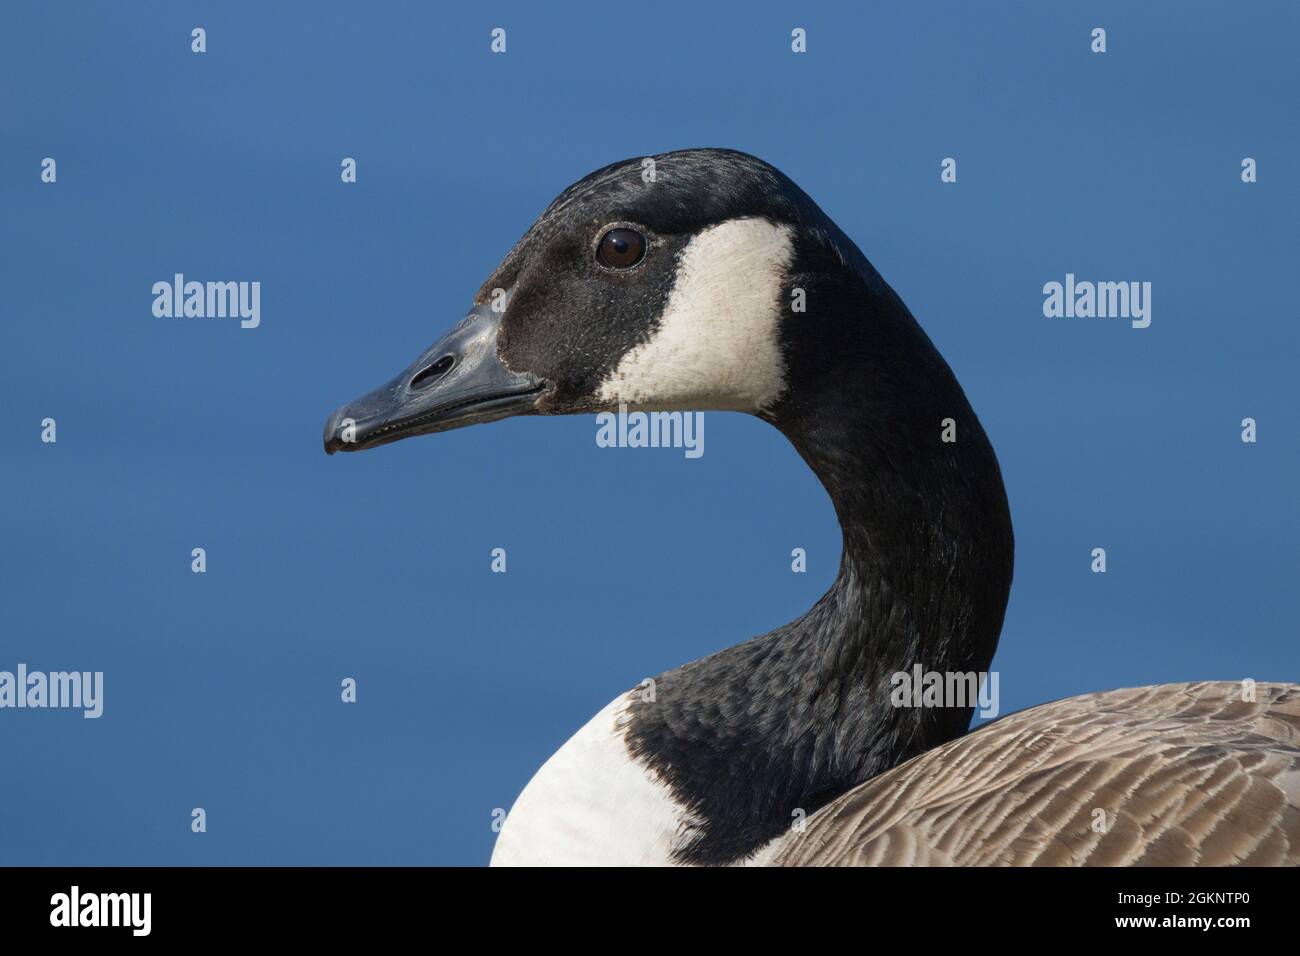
715	285
718	284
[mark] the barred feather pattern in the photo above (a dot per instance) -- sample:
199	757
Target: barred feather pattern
1168	775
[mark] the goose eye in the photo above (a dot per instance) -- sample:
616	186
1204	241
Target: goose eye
620	249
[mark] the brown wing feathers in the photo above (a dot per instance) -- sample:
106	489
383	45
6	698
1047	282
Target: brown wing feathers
1176	774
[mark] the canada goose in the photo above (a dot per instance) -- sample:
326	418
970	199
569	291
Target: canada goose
787	749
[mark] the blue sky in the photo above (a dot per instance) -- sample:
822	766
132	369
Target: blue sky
222	689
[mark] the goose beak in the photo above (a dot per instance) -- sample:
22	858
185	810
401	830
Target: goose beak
458	381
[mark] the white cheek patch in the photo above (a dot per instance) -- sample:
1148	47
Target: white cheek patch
718	344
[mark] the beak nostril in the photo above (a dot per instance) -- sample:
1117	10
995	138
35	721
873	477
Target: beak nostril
437	370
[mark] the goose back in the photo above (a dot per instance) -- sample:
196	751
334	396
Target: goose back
1167	775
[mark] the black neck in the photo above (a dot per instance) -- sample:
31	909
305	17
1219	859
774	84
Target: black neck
792	719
